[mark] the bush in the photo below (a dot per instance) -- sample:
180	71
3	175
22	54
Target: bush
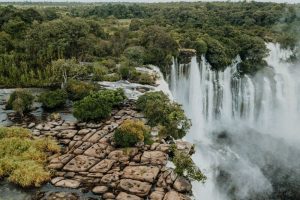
23	159
53	99
20	101
78	89
159	110
185	166
98	105
130	133
99	72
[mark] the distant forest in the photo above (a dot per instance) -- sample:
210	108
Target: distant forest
37	40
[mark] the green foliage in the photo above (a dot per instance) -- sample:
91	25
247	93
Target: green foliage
53	99
98	105
79	89
99	72
135	54
159	110
185	166
20	101
131	132
22	159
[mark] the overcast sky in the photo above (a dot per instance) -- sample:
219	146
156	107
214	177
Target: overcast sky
147	1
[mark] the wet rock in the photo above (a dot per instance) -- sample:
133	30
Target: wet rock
61	196
103	166
69	183
125	196
80	163
154	158
100	189
142	173
135	187
56	179
181	184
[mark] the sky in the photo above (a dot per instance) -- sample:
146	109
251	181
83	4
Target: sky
146	1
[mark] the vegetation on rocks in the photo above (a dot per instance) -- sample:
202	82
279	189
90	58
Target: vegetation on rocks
130	133
159	110
53	99
23	159
185	166
79	89
98	105
20	101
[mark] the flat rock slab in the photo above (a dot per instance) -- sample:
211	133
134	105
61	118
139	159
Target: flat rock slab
125	196
118	155
69	183
103	166
97	150
67	134
154	158
142	173
97	136
100	189
80	163
84	146
135	187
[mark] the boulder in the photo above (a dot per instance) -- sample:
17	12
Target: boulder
69	183
108	195
181	184
125	196
142	173
118	155
135	187
157	195
100	189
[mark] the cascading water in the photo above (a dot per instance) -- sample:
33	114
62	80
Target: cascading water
238	122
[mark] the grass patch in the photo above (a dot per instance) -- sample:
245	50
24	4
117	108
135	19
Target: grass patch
23	159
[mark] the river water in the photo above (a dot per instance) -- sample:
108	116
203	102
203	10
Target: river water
245	127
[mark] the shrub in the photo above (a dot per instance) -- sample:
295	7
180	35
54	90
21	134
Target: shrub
23	159
130	133
78	89
53	99
20	101
147	79
159	110
185	166
99	72
98	105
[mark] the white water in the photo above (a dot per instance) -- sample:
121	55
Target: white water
268	103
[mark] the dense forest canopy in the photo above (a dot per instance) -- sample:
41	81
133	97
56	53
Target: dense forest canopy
34	38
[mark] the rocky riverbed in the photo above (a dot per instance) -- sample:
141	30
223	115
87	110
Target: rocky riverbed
90	161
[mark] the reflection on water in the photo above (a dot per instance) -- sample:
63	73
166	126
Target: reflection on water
38	113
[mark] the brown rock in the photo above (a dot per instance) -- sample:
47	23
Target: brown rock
56	179
82	148
110	178
69	183
80	163
118	155
67	134
103	166
182	184
125	196
97	150
173	195
108	195
135	187
100	189
157	195
154	158
97	136
142	173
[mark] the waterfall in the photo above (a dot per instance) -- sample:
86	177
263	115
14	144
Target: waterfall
267	102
